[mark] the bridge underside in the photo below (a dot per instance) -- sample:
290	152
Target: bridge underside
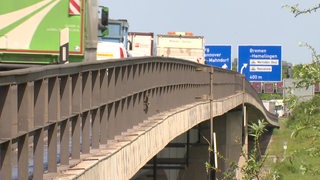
138	145
184	158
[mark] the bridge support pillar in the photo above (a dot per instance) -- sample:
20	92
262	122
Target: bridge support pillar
228	130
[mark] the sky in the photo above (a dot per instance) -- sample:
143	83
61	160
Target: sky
227	22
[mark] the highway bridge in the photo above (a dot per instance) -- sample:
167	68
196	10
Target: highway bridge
115	119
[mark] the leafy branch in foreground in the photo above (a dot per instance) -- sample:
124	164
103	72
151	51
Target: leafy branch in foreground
307	75
305	115
315	55
254	160
297	11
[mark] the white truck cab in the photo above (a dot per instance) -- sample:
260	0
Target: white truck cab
110	50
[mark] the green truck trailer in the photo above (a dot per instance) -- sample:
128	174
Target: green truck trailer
49	31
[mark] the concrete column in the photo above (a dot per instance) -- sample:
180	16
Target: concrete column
228	130
220	130
234	136
242	160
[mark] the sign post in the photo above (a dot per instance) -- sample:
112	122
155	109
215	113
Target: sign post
260	63
219	56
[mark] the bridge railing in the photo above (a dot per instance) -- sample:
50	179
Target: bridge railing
51	115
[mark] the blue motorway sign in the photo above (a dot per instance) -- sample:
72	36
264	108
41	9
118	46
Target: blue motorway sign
260	63
219	56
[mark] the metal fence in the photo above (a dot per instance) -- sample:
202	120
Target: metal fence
51	115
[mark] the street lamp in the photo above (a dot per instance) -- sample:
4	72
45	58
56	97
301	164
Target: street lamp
285	146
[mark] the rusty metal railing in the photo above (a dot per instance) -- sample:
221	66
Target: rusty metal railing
54	114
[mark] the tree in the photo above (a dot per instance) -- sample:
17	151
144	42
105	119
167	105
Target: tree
235	64
254	160
307	75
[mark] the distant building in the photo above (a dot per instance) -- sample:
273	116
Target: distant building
275	106
289	88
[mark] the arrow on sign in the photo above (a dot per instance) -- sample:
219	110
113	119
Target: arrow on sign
225	66
245	65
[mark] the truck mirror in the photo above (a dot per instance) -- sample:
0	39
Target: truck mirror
129	45
104	31
104	16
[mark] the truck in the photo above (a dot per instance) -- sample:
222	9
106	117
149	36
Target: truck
110	50
183	45
140	44
118	30
49	32
114	43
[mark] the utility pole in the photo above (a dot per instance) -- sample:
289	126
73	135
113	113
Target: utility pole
212	159
91	33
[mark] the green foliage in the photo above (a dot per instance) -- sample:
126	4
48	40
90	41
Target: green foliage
304	113
291	101
298	163
302	131
296	70
302	161
308	75
253	167
235	64
253	160
267	96
208	165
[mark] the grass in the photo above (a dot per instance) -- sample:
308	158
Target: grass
299	161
